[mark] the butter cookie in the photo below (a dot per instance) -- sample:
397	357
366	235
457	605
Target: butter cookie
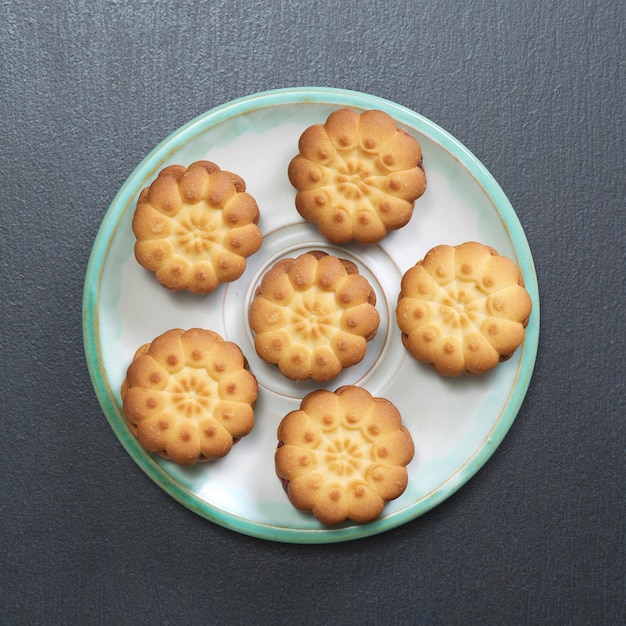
189	396
313	316
357	176
195	226
463	309
343	455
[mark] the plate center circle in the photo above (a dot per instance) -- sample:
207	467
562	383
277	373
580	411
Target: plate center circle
385	352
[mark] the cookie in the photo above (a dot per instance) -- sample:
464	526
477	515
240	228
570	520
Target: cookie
195	226
357	176
313	316
343	455
463	309
188	396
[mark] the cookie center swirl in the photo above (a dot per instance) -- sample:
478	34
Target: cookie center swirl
314	315
351	177
344	457
192	392
462	306
198	230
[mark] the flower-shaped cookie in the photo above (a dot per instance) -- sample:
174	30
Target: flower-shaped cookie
463	309
357	176
188	396
195	227
343	455
313	316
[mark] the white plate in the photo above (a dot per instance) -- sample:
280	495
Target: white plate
456	424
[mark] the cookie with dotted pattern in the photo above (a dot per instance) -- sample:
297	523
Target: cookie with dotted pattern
357	176
463	309
195	226
342	455
189	396
313	316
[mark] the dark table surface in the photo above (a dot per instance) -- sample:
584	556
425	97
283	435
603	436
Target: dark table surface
534	89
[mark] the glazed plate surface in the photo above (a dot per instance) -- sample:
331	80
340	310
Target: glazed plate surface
456	424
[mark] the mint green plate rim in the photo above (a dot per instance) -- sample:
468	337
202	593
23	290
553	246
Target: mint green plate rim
110	404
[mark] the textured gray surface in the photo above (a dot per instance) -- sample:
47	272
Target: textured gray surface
536	91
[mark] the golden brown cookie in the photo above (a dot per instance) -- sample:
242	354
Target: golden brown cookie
195	227
357	176
343	455
313	316
188	396
463	309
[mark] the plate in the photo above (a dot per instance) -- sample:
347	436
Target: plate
456	424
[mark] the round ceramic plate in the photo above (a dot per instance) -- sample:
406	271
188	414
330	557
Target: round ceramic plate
456	423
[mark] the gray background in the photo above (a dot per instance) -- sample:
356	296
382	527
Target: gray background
534	89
